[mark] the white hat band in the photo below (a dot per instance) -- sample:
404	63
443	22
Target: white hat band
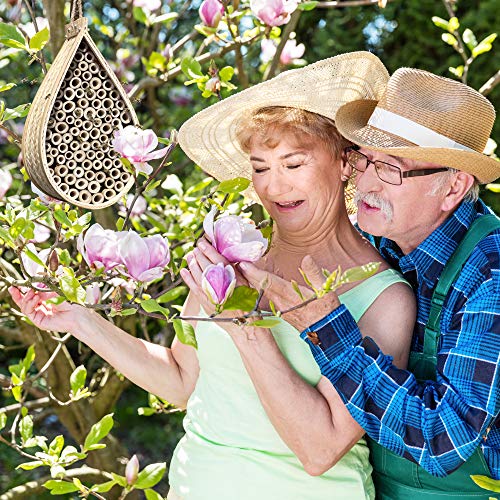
400	126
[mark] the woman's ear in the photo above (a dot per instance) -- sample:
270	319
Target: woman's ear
345	170
458	188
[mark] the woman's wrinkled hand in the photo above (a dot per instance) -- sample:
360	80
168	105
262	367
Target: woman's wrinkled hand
44	314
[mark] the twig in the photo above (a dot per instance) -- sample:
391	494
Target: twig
347	3
490	84
16	138
35	24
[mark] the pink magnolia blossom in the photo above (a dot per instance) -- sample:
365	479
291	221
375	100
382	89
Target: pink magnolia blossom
129	286
144	258
93	294
211	12
31	267
132	470
218	282
5	182
99	247
42	233
44	198
137	146
234	237
150	5
139	207
273	12
291	51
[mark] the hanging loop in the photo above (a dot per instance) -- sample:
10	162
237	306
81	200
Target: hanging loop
76	10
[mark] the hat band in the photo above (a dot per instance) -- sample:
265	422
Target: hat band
411	131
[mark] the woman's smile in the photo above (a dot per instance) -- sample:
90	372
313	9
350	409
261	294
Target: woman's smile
288	206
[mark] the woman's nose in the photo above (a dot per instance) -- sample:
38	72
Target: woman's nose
279	183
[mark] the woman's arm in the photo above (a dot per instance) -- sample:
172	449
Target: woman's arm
168	373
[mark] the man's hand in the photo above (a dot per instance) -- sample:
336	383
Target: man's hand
284	297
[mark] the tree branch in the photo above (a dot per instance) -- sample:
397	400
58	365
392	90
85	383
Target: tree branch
490	84
347	3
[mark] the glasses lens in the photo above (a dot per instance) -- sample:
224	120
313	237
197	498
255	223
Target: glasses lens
388	173
357	160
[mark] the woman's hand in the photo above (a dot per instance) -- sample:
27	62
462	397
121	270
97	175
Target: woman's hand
45	315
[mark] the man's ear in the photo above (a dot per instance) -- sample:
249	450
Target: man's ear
457	190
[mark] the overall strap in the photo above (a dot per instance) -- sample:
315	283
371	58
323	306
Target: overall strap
480	228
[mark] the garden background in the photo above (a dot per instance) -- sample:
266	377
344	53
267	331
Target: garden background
173	59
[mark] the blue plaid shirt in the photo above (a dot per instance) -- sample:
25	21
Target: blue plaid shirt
437	424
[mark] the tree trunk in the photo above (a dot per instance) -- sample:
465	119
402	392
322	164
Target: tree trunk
54	10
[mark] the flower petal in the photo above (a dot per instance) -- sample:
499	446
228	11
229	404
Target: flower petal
134	254
244	252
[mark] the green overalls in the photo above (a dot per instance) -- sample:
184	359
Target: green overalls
397	478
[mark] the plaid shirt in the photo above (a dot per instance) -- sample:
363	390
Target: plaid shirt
437	424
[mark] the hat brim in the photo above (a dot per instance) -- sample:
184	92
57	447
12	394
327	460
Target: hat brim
209	137
352	122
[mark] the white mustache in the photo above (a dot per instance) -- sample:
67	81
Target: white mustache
374	200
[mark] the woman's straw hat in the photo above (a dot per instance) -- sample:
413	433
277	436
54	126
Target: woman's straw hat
209	138
425	117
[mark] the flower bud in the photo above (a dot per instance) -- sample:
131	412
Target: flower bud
132	470
211	12
218	282
53	261
213	85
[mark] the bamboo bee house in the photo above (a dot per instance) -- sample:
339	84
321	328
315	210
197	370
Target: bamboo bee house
70	127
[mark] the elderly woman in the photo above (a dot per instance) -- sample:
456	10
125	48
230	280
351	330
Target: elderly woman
261	421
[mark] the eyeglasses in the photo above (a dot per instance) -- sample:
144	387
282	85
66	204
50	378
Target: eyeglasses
385	171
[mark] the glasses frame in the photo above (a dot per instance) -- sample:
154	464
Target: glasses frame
402	174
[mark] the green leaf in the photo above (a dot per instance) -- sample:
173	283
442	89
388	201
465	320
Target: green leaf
171	295
226	73
440	22
307	5
98	431
493	187
242	298
28	358
453	24
77	378
489	39
359	273
185	333
57	471
469	38
62	218
34	257
22	228
152	306
297	290
58	487
449	39
103	487
140	16
9	31
6	87
56	445
3	420
72	289
458	71
484	45
30	465
234	185
152	495
26	428
191	68
266	323
39	40
487	483
145	411
18	112
165	18
150	475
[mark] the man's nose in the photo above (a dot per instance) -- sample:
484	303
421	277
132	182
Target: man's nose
368	180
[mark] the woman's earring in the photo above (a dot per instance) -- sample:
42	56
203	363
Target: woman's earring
344	178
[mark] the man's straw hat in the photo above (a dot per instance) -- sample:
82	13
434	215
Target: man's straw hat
425	117
209	138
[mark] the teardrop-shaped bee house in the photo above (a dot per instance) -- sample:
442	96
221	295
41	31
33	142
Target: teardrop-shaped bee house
67	138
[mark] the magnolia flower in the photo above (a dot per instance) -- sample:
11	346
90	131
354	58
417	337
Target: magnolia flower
273	12
137	146
213	85
144	258
132	470
42	233
93	294
234	237
29	28
129	286
218	282
290	52
150	5
5	182
44	198
99	247
31	267
211	12
139	207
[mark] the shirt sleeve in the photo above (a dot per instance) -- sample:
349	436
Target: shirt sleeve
439	424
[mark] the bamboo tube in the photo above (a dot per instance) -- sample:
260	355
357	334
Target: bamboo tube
94	68
119	105
83	103
94	187
118	186
95	83
60	159
74	131
78	114
58	105
85	197
79	56
60	115
109	183
73	193
114	95
69	106
50	160
89	114
91	154
94	134
86	76
56	139
107	103
86	164
79	93
61	170
89	57
74	146
69	94
125	177
70	120
85	146
108	193
106	130
74	83
97	198
78	172
61	127
107	163
100	177
84	136
56	180
89	174
97	165
64	187
97	122
86	125
83	66
69	154
107	85
118	163
51	123
67	138
79	156
77	72
71	164
63	149
48	136
101	113
70	179
90	94
81	183
99	155
114	173
103	75
116	123
114	112
125	117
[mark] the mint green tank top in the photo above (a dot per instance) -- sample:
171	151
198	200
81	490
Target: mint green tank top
231	451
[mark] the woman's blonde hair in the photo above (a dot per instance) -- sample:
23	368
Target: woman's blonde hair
267	124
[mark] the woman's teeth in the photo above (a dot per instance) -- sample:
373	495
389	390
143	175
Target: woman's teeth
289	204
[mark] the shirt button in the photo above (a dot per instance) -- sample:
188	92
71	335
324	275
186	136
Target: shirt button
313	337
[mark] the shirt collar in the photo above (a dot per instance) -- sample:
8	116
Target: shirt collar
429	257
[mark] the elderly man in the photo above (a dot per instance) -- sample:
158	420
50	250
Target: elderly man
418	162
